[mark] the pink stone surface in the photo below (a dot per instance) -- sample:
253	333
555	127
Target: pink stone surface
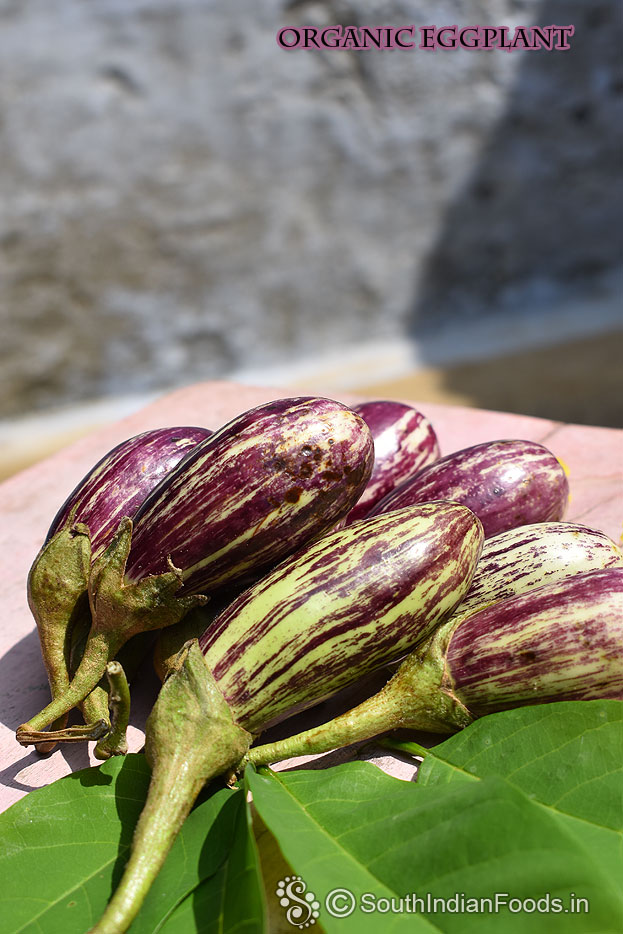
29	501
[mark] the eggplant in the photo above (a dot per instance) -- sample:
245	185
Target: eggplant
83	527
340	607
122	479
506	483
256	490
531	556
266	483
404	443
562	641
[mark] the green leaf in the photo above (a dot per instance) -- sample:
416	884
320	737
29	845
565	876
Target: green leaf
526	802
63	848
567	756
232	900
295	807
354	827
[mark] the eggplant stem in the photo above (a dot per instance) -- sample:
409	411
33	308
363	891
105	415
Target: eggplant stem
115	742
59	725
374	716
190	738
95	705
119	611
417	697
80	733
92	667
408	748
57	596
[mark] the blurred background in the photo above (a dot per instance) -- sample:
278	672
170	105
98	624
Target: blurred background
183	200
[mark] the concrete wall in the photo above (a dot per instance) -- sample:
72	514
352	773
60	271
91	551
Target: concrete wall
180	197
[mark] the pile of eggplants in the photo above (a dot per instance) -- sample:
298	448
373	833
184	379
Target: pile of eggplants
331	542
542	622
240	501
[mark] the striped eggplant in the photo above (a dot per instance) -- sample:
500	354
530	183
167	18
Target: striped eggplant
342	606
562	641
269	481
404	443
506	483
122	479
84	526
255	491
531	556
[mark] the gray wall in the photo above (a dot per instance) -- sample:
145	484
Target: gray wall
181	197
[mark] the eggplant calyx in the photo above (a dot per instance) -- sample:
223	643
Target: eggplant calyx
57	579
190	737
57	596
425	688
124	608
119	610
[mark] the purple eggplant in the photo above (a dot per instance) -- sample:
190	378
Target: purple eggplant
506	483
122	479
84	526
562	641
404	443
269	481
340	607
255	491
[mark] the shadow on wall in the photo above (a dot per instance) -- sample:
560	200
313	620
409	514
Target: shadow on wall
536	225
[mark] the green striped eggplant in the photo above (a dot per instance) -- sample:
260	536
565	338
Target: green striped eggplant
506	483
531	556
404	443
355	599
340	607
252	493
82	528
561	641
